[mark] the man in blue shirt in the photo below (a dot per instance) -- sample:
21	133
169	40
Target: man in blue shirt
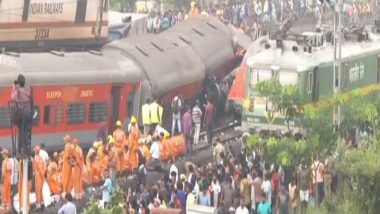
265	206
181	195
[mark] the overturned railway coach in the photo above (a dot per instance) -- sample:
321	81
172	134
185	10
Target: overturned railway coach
307	61
74	92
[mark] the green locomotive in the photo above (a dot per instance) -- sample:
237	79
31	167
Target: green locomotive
307	60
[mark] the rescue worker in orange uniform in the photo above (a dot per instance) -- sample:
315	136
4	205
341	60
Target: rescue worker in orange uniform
112	160
55	181
68	156
101	156
6	174
93	176
134	135
39	168
127	167
77	170
120	140
144	148
49	169
194	9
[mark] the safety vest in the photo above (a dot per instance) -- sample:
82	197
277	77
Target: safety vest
145	114
154	113
160	111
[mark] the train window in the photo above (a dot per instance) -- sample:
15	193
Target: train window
310	82
53	114
4	118
36	115
98	112
288	78
76	113
260	75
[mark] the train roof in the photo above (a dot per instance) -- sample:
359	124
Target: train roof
297	59
72	68
182	54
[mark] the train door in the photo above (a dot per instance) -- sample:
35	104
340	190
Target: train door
378	68
115	103
80	16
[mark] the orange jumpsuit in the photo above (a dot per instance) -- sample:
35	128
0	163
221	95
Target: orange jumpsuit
55	183
89	165
133	147
77	172
6	178
120	141
67	168
127	167
39	173
102	159
145	151
50	167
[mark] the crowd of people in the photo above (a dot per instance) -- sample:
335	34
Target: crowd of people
251	16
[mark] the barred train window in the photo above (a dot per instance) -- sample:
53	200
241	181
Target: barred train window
76	113
4	118
98	112
260	75
53	114
36	115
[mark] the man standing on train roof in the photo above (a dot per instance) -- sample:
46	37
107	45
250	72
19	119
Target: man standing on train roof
197	115
209	119
6	181
146	117
155	112
176	109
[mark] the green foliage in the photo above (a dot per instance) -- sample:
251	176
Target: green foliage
360	191
115	206
122	5
285	98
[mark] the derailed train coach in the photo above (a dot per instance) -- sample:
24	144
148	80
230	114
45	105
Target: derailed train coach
179	59
74	92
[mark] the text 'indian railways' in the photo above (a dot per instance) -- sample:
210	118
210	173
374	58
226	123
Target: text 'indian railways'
46	8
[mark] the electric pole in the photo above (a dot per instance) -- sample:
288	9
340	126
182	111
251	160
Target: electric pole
337	38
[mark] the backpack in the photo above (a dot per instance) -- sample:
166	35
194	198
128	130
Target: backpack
175	106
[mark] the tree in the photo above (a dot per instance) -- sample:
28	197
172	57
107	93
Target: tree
115	206
122	5
284	99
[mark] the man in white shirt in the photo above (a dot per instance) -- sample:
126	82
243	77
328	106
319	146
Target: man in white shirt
155	153
43	154
68	207
242	209
173	168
